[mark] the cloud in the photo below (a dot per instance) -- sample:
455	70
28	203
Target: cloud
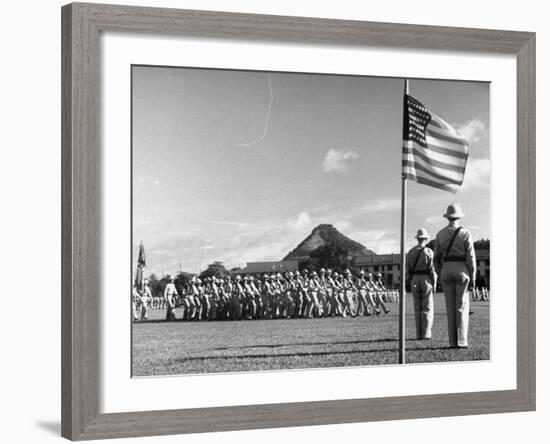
225	222
342	225
434	220
478	174
381	241
338	160
473	131
381	205
476	132
303	222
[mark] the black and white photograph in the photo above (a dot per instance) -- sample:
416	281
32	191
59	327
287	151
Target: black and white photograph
278	218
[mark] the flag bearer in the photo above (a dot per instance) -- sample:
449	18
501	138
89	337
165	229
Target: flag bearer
455	262
422	276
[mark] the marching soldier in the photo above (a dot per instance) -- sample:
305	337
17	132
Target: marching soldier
237	296
170	295
288	301
314	287
146	299
332	295
375	295
455	262
364	297
383	290
422	276
348	289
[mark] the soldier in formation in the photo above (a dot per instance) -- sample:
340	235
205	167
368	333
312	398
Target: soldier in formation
142	301
297	294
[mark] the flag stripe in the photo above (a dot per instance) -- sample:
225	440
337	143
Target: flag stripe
438	153
459	149
444	150
457	141
429	182
416	151
430	172
451	175
446	137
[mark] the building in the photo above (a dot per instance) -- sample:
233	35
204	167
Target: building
387	264
390	265
261	268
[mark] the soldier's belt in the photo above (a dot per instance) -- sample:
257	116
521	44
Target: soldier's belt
421	272
455	259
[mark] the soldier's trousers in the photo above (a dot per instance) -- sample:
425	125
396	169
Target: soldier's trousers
455	278
423	297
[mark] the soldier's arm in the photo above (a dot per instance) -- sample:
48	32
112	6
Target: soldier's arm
431	267
470	256
437	256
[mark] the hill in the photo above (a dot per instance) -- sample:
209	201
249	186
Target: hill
326	235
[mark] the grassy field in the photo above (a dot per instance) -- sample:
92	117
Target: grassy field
169	348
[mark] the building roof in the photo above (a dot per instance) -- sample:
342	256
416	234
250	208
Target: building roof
268	267
393	258
377	259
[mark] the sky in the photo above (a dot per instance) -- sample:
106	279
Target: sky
240	166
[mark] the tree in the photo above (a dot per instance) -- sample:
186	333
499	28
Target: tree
482	244
155	285
182	281
332	256
216	269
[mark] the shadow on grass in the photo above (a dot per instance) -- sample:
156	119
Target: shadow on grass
369	341
302	354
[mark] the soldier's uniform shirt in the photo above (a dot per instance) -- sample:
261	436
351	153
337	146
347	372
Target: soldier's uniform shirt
456	269
462	248
422	278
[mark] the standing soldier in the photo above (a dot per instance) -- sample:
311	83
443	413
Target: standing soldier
455	262
170	295
421	275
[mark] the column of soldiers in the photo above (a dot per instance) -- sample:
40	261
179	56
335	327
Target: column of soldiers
298	294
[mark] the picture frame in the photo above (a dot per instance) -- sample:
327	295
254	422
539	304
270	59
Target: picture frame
81	244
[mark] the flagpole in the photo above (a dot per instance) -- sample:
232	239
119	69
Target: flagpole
403	230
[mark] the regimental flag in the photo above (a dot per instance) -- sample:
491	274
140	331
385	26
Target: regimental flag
434	153
140	267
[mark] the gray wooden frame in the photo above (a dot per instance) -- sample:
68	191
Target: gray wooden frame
81	168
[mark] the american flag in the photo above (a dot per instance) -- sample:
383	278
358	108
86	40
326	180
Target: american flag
140	266
434	153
